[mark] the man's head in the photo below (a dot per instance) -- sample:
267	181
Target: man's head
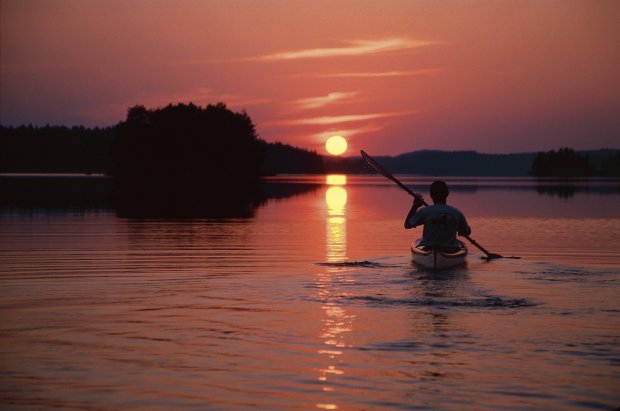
439	192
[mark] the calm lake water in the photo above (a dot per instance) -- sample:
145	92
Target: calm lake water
310	303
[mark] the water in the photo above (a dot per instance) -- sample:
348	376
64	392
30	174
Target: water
313	302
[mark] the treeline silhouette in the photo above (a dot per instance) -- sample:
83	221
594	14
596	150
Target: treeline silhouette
282	158
61	149
604	162
459	163
55	149
566	162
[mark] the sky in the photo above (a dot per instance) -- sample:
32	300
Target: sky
389	76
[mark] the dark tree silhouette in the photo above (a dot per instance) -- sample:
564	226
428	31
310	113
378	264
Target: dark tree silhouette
285	159
55	149
611	166
184	159
562	163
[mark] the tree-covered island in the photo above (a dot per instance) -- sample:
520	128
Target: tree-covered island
185	159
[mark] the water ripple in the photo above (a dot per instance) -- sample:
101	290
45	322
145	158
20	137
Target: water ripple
486	302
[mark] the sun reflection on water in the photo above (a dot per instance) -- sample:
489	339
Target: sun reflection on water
336	200
336	180
336	321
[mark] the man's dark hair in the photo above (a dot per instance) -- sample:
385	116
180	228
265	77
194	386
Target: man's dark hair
439	190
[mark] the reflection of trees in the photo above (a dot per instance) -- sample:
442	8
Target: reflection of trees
218	204
568	188
55	193
173	203
59	194
564	191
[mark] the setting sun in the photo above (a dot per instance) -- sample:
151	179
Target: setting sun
336	145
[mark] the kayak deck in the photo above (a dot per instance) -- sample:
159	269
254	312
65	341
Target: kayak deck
436	258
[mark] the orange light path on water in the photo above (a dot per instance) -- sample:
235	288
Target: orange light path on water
336	321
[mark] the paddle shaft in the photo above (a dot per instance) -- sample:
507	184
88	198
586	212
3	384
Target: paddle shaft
381	170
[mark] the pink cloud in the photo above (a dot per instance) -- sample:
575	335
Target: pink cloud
355	48
316	102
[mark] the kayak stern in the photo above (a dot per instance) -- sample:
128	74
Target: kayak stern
436	258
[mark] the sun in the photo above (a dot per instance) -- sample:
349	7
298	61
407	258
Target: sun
336	145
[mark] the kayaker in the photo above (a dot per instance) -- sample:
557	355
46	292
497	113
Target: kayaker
441	221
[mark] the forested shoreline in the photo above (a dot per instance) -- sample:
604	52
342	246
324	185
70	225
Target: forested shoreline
62	149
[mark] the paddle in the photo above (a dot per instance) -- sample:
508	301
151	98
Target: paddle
381	170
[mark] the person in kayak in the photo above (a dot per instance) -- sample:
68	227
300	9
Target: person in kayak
441	221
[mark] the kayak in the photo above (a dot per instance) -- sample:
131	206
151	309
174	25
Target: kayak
437	258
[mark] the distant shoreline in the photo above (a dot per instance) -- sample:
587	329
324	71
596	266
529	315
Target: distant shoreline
59	150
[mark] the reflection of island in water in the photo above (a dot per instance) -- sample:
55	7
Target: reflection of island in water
564	191
213	202
60	193
567	188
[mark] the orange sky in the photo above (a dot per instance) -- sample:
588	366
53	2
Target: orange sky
397	76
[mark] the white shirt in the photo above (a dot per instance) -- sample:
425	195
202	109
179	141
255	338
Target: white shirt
441	223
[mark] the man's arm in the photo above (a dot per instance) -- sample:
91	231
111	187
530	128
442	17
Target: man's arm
463	229
418	201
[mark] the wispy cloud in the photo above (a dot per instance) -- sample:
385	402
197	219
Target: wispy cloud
370	74
331	98
329	120
349	132
355	48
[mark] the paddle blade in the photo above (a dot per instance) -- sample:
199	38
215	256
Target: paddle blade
492	256
378	167
381	170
